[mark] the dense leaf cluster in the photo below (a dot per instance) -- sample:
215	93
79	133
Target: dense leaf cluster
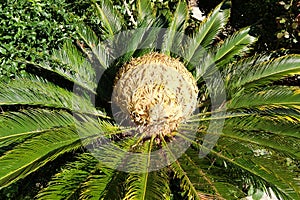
30	30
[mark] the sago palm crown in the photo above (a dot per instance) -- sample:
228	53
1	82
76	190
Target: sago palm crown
162	110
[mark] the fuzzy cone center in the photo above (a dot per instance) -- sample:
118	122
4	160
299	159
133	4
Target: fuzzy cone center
156	93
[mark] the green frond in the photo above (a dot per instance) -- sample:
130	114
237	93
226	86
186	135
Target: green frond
199	178
114	154
144	9
136	42
209	184
115	188
68	182
16	127
279	96
39	92
265	140
87	35
98	137
275	131
111	19
96	51
213	24
180	173
142	162
177	25
259	169
206	116
29	156
99	183
193	175
146	184
269	166
78	65
186	183
276	113
246	62
149	185
244	76
234	69
95	185
207	31
90	126
204	66
277	125
236	45
71	66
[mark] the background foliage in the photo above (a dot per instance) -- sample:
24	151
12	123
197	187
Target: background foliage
30	29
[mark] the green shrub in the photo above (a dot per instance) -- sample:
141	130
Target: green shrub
29	29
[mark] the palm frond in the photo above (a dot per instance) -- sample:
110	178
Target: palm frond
150	184
111	19
38	92
96	184
19	126
192	175
71	66
268	166
276	125
97	53
146	184
214	23
265	140
259	169
179	171
236	45
94	135
244	76
115	188
144	9
204	66
68	182
177	25
209	184
29	156
271	97
136	42
207	31
98	137
246	62
69	56
233	70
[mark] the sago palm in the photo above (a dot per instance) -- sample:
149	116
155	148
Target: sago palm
158	111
